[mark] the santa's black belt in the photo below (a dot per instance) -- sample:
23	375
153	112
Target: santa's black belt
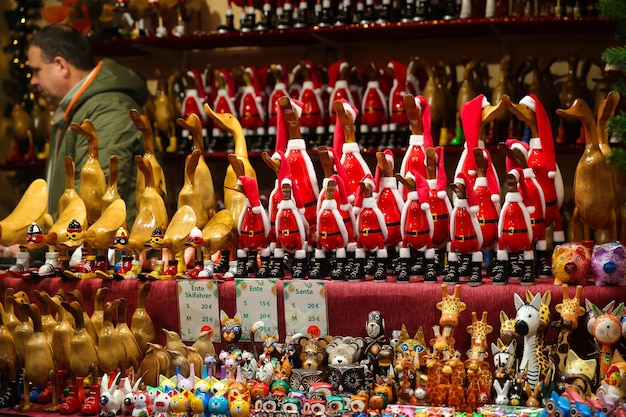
324	235
440	216
550	203
310	203
393	224
536	221
287	232
512	230
417	232
464	238
483	222
251	233
366	232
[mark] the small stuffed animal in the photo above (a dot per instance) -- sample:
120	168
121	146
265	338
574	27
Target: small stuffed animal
571	263
607	264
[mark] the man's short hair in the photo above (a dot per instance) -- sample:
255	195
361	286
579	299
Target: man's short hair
62	40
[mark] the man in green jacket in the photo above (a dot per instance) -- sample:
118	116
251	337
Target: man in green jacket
77	87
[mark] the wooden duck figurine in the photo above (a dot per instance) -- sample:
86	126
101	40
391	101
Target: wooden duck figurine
216	236
23	331
69	193
191	194
32	207
76	296
173	241
9	318
203	177
92	181
97	316
594	193
165	113
61	335
141	324
111	352
133	354
40	366
8	354
233	197
606	110
111	193
151	210
48	320
101	234
84	360
142	123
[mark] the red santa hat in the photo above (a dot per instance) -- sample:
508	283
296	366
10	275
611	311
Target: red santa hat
281	127
334	69
471	114
472	199
399	73
389	157
515	144
313	72
421	187
229	80
254	75
544	128
340	190
338	134
442	177
199	83
493	185
426	120
251	190
360	195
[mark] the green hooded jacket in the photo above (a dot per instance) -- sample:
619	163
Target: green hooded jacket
106	99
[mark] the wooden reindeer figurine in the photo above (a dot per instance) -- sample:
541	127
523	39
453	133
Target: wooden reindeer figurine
594	193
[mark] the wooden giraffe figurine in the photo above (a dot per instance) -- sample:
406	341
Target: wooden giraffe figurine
508	334
456	370
479	329
570	310
434	367
477	353
527	325
450	306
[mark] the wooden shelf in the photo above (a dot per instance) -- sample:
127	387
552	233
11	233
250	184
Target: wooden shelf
358	33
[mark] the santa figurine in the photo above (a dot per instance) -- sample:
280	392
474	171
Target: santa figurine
418	114
439	201
313	118
398	120
389	199
516	153
542	160
346	150
291	231
253	226
224	101
339	86
371	232
251	111
279	74
374	108
417	231
332	235
289	138
465	234
193	103
514	232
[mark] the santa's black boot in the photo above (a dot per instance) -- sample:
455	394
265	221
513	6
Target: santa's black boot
242	259
430	275
529	277
499	270
380	275
358	271
450	273
319	266
300	263
264	269
543	266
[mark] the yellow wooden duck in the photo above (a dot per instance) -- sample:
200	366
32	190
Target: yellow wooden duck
23	330
111	350
92	180
61	334
203	177
165	113
8	353
32	208
133	354
141	324
97	316
76	296
142	123
84	360
233	197
40	367
111	192
151	211
173	241
191	193
594	193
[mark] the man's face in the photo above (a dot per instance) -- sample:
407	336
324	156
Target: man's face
46	76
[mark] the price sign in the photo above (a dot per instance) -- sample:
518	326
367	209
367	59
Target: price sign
256	301
305	308
198	304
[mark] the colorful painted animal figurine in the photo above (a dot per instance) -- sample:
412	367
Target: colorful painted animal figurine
527	325
606	329
570	310
571	263
608	265
451	307
239	405
502	392
111	397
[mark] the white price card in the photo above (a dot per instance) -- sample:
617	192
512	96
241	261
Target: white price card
305	308
256	301
198	304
